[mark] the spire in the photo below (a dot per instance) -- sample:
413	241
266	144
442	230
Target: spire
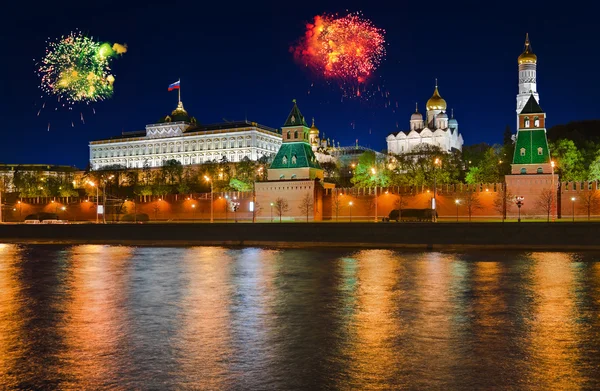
526	41
452	113
295	118
313	122
416	107
436	86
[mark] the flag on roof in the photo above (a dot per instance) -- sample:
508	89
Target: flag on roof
174	86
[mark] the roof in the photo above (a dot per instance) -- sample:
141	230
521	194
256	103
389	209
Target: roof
531	141
532	107
303	153
295	118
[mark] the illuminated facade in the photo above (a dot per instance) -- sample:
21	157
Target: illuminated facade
437	129
178	136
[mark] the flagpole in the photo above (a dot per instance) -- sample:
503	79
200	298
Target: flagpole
179	90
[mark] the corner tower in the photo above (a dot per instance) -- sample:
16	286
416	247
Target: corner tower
527	76
531	155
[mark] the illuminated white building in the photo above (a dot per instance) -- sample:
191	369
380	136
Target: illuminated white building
438	130
178	136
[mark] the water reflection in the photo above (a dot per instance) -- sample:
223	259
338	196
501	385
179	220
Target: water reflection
103	317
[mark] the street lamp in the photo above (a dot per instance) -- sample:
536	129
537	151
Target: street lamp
104	197
94	185
436	162
271	212
552	164
350	208
64	208
457	202
573	204
374	172
207	179
520	200
193	213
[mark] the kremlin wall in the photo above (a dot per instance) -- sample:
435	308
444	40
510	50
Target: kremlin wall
179	208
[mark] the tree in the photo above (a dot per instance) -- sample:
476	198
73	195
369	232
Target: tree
281	206
370	172
590	201
488	168
472	202
306	205
171	170
569	161
331	171
594	169
545	202
503	202
336	203
400	203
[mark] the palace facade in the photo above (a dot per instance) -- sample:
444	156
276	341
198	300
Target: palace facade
180	137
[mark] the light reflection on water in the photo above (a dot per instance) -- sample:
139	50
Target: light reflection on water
117	317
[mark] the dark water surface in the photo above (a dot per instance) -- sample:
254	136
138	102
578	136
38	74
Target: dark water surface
125	318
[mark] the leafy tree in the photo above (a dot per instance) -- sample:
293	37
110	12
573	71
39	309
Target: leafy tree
281	206
487	170
569	161
503	202
171	171
594	169
370	172
419	167
239	185
306	205
331	171
337	203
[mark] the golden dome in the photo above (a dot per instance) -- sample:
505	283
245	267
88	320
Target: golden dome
436	102
313	128
527	57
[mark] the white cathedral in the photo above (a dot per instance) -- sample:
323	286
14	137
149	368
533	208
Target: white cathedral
439	130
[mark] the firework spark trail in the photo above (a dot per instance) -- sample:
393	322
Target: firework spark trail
347	49
76	69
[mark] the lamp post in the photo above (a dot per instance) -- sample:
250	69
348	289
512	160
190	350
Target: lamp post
457	202
520	200
552	164
226	206
64	208
436	162
207	179
350	208
193	213
374	172
271	212
573	205
94	185
20	207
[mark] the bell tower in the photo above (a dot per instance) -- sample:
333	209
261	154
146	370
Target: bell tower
527	77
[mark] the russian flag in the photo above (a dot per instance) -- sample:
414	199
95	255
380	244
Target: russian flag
174	86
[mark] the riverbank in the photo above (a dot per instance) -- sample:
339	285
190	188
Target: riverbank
419	236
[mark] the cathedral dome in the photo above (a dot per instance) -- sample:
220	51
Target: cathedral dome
527	57
178	115
442	115
436	102
416	117
313	128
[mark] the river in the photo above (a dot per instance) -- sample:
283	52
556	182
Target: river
94	317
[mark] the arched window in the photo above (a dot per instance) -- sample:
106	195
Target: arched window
526	122
536	122
540	170
294	159
540	151
296	134
288	134
522	151
523	170
284	160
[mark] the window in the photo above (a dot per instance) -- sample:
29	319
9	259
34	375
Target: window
288	134
296	134
540	171
294	159
284	160
523	170
540	151
526	122
281	176
522	151
536	122
293	176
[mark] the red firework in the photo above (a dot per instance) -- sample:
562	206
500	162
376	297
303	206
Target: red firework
347	48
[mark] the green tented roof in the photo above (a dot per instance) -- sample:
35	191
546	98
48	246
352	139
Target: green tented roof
532	106
303	153
295	118
530	141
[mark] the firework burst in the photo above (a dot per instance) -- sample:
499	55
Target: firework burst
76	69
345	49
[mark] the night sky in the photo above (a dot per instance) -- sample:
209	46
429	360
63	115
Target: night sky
234	63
